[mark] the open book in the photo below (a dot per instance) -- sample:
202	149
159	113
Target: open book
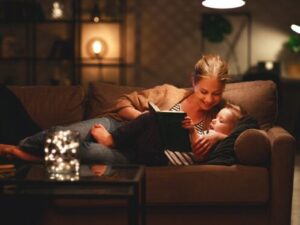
174	137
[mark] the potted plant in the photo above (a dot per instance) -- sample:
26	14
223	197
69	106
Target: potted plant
293	61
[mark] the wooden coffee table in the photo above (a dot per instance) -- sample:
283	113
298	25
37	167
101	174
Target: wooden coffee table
101	182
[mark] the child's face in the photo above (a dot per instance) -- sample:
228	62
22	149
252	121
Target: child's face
224	122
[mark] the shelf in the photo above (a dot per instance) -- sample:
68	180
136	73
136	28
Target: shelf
105	64
78	21
15	59
54	21
30	22
15	21
101	21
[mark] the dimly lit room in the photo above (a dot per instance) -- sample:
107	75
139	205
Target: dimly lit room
149	112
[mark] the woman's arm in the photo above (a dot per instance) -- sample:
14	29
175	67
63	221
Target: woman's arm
130	106
129	113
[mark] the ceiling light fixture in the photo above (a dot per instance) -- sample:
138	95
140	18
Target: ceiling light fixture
295	28
223	4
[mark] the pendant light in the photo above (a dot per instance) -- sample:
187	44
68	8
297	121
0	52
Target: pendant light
223	4
295	28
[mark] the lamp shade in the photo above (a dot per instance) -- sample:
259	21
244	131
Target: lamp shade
295	28
223	4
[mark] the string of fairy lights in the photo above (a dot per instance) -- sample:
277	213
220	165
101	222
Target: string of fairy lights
61	154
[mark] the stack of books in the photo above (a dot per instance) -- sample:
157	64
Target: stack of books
7	170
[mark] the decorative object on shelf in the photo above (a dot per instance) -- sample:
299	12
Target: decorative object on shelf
97	48
61	153
57	10
96	13
223	4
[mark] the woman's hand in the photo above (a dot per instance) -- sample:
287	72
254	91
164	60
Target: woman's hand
204	144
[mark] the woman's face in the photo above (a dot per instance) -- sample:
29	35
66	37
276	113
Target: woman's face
209	92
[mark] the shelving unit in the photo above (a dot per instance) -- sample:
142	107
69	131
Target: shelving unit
37	49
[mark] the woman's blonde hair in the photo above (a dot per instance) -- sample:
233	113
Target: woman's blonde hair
211	66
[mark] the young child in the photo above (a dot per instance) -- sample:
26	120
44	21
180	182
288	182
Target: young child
224	123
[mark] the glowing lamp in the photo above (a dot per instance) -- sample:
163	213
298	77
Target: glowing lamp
223	4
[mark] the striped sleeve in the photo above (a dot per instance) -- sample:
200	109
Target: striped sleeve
179	158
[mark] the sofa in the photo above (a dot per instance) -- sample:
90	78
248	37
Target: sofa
257	190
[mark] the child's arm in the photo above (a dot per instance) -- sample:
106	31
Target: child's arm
188	123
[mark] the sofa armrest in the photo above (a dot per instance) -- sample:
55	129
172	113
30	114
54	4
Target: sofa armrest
283	148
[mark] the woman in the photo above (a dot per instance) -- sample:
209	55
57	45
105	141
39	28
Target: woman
201	104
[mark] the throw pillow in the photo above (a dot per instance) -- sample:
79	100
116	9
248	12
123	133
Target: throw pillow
16	123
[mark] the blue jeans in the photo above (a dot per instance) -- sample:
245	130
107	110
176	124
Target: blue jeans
90	151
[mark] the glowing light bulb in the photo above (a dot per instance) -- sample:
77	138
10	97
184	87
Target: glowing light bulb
97	47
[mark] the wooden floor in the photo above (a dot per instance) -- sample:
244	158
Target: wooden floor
296	193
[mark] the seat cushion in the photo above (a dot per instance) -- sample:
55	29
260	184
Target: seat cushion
207	184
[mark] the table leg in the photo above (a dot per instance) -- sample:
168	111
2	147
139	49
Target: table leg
143	200
133	207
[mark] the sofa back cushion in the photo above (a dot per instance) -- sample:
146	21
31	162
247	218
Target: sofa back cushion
49	106
103	96
258	98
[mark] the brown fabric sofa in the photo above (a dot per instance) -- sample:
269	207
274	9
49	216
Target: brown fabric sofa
257	190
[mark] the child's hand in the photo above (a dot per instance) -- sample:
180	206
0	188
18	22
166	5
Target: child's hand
187	123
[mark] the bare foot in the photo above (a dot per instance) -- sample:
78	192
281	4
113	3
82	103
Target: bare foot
12	150
102	136
6	150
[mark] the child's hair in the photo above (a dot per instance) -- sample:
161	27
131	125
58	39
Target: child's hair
236	110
